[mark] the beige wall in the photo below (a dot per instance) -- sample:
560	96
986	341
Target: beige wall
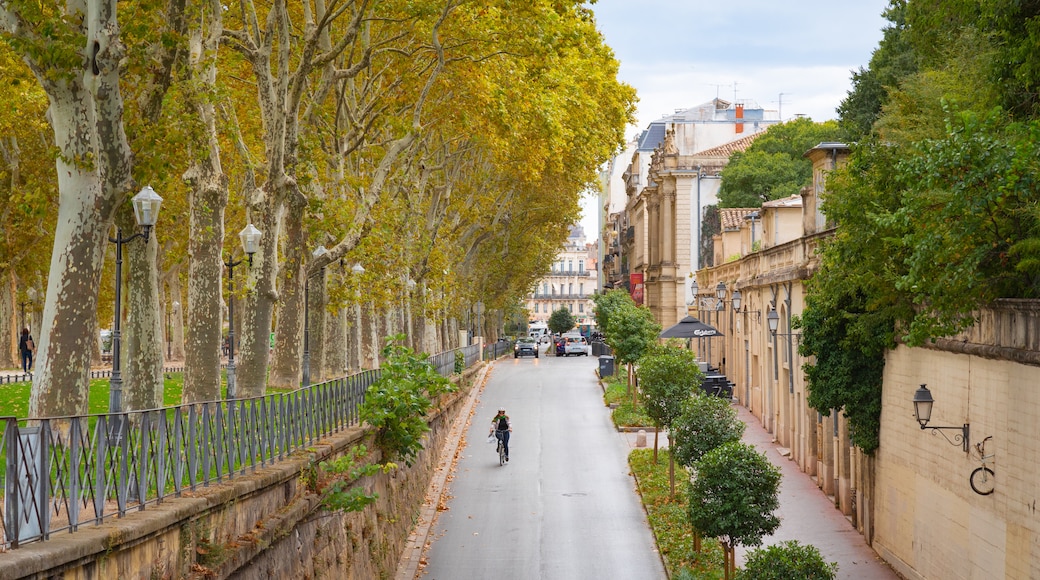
930	524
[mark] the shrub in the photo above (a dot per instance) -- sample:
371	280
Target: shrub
787	560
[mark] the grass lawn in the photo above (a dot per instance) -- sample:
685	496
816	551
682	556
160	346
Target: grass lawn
14	397
669	520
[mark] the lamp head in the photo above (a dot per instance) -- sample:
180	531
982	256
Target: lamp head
736	300
250	237
773	319
720	291
923	405
146	208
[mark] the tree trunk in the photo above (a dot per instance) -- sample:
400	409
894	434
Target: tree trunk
316	323
200	342
204	333
142	339
10	324
286	361
258	305
174	297
336	347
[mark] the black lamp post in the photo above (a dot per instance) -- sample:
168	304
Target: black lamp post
146	211
250	237
923	413
306	379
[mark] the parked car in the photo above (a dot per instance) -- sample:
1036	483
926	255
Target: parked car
525	346
560	344
576	345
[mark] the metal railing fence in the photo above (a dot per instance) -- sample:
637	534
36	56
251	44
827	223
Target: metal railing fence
61	473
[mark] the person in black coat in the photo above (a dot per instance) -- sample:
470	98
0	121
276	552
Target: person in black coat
27	348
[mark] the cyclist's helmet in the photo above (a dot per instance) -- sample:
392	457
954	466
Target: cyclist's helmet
501	410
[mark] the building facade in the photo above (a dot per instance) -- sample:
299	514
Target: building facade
912	500
570	284
657	242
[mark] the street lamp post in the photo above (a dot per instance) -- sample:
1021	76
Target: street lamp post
306	378
250	237
146	211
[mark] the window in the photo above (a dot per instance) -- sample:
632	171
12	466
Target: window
545	287
581	307
570	265
581	288
570	289
581	265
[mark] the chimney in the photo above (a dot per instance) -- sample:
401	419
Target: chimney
740	118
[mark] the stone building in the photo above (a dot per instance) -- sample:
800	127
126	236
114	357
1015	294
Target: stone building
652	246
912	500
571	282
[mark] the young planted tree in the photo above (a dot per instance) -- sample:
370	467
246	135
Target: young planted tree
704	424
734	497
631	331
668	376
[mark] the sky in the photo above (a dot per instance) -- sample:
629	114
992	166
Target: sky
793	56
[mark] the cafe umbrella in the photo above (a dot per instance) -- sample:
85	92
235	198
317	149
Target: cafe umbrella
690	327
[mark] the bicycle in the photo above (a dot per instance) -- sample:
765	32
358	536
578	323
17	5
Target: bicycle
501	447
983	479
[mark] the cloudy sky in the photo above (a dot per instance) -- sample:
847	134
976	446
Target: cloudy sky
795	57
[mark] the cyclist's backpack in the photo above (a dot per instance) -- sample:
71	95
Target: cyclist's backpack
503	424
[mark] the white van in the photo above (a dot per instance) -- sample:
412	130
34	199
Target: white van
539	331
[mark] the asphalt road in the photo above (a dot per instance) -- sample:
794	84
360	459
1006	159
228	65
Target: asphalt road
564	507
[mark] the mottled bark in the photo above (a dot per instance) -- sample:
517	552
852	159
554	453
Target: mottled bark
335	344
208	199
142	328
10	324
203	333
318	335
286	360
174	298
258	303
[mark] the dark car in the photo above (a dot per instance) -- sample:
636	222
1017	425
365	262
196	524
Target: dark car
561	346
525	346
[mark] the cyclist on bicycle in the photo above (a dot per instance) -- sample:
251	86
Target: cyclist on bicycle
501	427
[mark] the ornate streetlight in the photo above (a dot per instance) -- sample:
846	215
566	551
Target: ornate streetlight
250	237
146	211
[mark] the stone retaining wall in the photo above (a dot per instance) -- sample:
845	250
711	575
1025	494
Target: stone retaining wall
267	524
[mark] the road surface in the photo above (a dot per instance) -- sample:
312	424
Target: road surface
565	506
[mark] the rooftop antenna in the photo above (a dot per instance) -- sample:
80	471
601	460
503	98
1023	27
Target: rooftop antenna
734	91
780	106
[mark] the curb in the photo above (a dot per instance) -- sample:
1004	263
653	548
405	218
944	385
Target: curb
411	555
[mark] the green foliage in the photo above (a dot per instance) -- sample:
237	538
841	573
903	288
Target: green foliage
397	404
774	166
608	303
460	362
630	331
561	321
625	413
785	561
669	519
343	492
892	61
705	423
668	376
735	495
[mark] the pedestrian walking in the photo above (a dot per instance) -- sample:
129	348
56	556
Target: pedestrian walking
27	347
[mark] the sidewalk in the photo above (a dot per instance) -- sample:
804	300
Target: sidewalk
806	514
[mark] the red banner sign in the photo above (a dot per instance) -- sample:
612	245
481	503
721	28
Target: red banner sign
635	283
